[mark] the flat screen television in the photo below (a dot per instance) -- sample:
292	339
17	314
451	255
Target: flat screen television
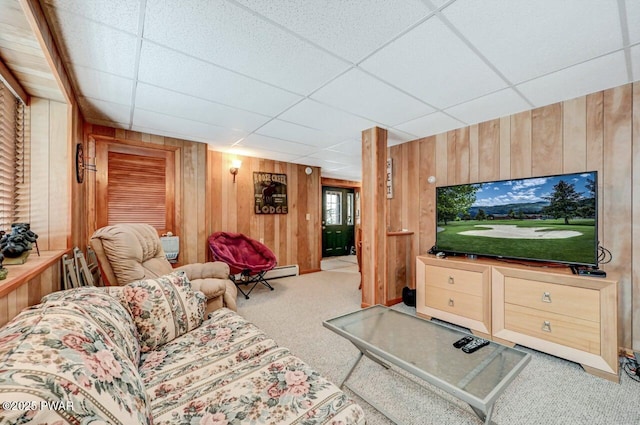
548	219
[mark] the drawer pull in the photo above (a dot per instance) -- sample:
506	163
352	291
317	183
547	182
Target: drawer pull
450	302
546	297
546	326
451	280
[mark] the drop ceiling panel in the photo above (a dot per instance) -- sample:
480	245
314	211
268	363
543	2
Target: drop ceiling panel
120	14
168	102
364	95
433	64
192	129
176	71
103	86
276	145
431	124
597	74
316	115
395	136
101	110
97	46
632	8
494	105
525	39
230	36
342	158
348	147
351	29
297	133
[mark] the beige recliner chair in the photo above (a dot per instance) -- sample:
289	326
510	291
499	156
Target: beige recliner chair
133	251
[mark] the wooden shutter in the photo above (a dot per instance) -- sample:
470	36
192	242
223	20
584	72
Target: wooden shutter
135	185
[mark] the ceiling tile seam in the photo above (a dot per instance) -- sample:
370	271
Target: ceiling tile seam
224	68
622	13
290	32
265	149
195	121
204	99
591	58
477	51
90	68
86	18
134	88
305	97
103	101
397	36
352	65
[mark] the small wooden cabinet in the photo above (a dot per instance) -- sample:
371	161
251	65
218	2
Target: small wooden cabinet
455	291
573	317
550	310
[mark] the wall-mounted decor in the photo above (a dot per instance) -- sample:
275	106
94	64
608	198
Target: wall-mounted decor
389	178
270	192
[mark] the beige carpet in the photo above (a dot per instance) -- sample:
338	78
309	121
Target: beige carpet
548	391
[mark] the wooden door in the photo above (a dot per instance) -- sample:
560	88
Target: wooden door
338	221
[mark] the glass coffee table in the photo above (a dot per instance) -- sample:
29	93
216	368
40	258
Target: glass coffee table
425	349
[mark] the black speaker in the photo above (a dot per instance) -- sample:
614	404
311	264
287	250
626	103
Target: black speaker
409	296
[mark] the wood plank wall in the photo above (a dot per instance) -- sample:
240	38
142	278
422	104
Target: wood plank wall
50	191
600	131
207	200
292	237
190	187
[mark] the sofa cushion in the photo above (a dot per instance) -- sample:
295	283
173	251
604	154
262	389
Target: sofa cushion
105	307
228	371
57	354
164	308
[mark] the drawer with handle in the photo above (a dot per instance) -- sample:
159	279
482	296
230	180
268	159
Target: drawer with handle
570	331
571	301
454	302
459	280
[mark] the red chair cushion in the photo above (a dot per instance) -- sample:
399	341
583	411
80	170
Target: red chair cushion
241	252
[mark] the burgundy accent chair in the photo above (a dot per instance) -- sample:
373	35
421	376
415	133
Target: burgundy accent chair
248	259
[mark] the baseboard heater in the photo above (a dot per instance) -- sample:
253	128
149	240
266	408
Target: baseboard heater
283	271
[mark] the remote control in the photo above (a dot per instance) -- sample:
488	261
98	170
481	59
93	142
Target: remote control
475	345
463	341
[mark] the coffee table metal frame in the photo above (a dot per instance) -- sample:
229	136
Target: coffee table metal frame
483	407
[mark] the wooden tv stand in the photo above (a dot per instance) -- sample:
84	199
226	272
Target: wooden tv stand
544	308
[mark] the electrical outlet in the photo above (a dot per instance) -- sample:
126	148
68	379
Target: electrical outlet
308	216
261	240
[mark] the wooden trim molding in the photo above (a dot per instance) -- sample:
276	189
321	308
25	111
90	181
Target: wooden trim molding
38	22
12	83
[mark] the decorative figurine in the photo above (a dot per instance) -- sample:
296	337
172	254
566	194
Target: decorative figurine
3	270
21	238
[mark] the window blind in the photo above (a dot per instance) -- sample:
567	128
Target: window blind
14	173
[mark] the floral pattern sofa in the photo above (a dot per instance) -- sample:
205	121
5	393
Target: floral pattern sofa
143	354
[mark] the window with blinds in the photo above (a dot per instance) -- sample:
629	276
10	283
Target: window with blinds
14	172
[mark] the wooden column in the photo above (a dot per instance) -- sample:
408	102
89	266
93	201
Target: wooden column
373	207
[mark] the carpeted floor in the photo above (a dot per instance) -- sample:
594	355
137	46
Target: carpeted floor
548	391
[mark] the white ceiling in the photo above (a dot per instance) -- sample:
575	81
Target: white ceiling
298	80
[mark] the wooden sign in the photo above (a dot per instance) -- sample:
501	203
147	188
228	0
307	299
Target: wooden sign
270	193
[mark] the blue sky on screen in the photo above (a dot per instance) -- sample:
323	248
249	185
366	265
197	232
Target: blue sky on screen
527	190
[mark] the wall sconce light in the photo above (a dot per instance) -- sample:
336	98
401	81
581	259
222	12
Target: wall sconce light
235	166
431	179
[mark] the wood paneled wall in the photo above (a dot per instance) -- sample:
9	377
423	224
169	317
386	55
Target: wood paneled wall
295	238
190	187
50	189
207	200
600	132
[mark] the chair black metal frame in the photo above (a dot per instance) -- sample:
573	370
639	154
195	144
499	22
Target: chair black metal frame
247	279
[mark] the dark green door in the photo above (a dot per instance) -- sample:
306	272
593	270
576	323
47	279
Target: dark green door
337	221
